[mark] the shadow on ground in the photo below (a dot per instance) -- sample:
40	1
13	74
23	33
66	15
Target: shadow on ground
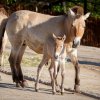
42	90
87	62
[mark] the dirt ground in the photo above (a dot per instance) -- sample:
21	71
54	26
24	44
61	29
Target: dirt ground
8	91
89	75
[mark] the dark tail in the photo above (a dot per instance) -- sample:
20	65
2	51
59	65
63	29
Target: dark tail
2	31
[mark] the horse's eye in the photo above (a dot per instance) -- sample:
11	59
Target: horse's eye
83	26
61	46
72	25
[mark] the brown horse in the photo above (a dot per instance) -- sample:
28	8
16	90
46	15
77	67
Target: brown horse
54	50
3	37
26	28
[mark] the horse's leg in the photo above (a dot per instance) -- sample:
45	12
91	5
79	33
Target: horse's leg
12	61
62	65
74	59
18	66
39	70
0	78
1	57
4	42
16	45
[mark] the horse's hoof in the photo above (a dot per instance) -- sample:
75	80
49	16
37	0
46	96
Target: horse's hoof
58	89
53	93
0	78
23	83
77	89
62	93
36	90
17	85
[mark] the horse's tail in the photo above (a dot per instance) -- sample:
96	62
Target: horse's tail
2	31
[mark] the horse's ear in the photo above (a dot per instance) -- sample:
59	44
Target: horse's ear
86	15
71	13
54	36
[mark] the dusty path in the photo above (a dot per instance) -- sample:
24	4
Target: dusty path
89	58
9	92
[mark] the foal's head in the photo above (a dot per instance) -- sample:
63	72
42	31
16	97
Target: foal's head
75	26
59	45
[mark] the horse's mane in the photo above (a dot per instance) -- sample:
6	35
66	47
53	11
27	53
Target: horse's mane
78	10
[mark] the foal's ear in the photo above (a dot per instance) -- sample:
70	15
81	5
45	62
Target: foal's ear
86	15
64	37
71	13
54	36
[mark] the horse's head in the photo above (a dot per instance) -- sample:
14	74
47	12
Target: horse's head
59	45
76	27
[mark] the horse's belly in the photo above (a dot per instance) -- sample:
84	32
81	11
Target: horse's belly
35	46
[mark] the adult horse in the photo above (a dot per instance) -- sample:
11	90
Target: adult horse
3	37
26	28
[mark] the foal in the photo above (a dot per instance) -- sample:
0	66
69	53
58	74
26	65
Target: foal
53	49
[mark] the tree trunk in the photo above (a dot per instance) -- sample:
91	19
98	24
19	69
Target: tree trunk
85	6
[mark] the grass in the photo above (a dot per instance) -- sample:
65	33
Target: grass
30	58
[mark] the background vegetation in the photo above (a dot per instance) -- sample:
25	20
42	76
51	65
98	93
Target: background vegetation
58	7
53	6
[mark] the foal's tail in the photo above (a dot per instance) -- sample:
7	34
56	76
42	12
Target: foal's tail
2	31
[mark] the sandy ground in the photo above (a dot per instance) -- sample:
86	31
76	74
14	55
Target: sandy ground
89	58
9	92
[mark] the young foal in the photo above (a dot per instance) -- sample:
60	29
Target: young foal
54	50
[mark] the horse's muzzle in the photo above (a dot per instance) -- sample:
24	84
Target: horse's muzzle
75	45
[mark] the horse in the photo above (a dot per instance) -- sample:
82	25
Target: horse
26	28
3	37
53	50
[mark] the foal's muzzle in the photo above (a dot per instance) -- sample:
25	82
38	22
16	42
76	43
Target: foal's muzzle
56	57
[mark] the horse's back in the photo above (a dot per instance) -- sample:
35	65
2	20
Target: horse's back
26	16
32	27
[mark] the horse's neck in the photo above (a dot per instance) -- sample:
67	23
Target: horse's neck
68	33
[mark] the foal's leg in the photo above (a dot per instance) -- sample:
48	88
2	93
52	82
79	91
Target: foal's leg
55	66
57	85
62	65
51	70
18	66
39	70
74	59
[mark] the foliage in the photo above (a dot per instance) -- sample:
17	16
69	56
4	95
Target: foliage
93	6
